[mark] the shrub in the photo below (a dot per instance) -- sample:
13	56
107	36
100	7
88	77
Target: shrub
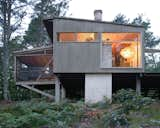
130	100
40	115
115	119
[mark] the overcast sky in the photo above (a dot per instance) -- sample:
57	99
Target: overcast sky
130	8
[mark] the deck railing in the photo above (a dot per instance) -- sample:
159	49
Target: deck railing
34	75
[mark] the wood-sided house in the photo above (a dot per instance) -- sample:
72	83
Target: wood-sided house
87	59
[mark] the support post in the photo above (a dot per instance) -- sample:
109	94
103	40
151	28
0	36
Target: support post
63	93
138	85
97	87
57	90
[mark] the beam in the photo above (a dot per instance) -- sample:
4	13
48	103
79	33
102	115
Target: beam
57	89
35	82
38	78
37	91
46	54
33	50
138	85
152	50
63	93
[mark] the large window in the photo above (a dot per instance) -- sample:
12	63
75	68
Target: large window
125	48
77	37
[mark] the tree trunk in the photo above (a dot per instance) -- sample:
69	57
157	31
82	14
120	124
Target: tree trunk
6	36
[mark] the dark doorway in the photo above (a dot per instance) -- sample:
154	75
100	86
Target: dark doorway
151	85
123	81
74	85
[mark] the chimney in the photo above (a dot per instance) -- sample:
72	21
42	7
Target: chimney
98	15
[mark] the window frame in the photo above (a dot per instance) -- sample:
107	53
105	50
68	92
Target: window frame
140	40
76	41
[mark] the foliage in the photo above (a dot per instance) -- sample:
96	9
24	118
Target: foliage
11	14
115	119
121	19
40	114
43	8
149	38
130	100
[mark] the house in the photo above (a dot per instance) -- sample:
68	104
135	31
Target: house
85	60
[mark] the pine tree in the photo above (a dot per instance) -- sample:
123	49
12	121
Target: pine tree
36	34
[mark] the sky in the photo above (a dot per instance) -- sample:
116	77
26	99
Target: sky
130	8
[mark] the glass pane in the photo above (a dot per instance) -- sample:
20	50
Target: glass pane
125	48
66	37
86	37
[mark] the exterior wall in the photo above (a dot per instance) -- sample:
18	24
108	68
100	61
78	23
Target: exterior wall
97	86
86	57
106	56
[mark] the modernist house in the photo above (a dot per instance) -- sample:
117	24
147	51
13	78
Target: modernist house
87	59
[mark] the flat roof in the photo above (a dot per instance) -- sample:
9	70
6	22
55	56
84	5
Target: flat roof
78	19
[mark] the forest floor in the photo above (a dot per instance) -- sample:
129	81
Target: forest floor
134	112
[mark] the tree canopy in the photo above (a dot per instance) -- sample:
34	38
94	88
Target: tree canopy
150	39
36	34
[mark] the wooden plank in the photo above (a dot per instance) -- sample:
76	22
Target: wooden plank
37	91
152	50
15	68
35	82
44	69
33	50
46	54
57	89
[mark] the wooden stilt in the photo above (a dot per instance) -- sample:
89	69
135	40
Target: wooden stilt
63	93
57	90
138	85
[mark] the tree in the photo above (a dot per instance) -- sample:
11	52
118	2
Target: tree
150	39
121	19
12	13
36	34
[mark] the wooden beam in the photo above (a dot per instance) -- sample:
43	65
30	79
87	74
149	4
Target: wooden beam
138	85
33	50
38	91
152	50
34	55
63	93
35	82
15	68
57	90
44	68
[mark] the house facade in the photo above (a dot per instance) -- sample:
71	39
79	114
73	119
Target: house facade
88	59
86	54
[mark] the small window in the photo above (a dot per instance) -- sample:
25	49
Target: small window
66	37
77	37
86	37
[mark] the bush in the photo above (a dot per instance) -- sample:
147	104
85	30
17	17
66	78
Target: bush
130	100
40	115
115	119
127	100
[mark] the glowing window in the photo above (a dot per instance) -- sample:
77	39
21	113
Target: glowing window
66	37
86	37
125	48
77	37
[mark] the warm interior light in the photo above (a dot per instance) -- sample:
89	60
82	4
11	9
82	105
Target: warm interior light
127	52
